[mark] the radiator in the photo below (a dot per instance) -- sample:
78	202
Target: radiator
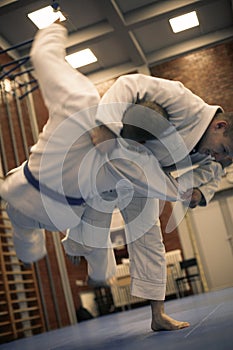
121	294
121	290
174	271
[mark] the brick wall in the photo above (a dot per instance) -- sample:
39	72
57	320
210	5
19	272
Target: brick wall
208	73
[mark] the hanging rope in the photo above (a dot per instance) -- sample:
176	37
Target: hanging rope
27	42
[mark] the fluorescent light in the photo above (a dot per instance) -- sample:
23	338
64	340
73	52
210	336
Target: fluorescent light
81	58
44	17
183	22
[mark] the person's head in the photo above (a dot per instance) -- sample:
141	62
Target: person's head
140	114
217	141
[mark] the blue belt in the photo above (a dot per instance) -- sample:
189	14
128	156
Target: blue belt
48	191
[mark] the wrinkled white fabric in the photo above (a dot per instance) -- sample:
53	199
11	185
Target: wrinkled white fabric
66	161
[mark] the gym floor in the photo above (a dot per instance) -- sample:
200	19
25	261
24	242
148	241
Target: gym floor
210	315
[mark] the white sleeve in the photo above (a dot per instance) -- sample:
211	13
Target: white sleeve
60	84
206	178
145	174
210	175
171	95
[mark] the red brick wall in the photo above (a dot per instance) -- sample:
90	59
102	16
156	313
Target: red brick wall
208	73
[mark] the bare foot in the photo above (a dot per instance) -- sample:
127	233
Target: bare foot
163	322
166	323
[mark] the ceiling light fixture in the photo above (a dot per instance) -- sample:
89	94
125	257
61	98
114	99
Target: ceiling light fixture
44	17
183	22
81	58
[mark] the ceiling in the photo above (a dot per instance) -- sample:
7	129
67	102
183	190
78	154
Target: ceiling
125	35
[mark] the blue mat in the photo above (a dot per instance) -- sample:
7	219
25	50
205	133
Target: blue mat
210	315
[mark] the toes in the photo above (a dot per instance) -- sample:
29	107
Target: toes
184	325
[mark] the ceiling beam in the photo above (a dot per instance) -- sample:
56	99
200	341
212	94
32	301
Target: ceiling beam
6	2
189	46
127	38
14	5
163	55
111	73
144	15
90	35
122	25
5	45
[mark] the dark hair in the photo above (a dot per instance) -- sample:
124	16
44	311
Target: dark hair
137	132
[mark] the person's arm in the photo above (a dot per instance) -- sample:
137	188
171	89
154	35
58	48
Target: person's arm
124	93
133	88
205	180
141	122
145	174
103	138
127	90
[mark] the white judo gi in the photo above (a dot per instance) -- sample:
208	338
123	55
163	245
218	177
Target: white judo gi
65	160
191	116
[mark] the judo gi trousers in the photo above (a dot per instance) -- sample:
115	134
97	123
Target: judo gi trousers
144	242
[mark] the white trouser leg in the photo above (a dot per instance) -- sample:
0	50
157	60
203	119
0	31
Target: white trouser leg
146	249
29	244
101	261
91	239
28	236
101	264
